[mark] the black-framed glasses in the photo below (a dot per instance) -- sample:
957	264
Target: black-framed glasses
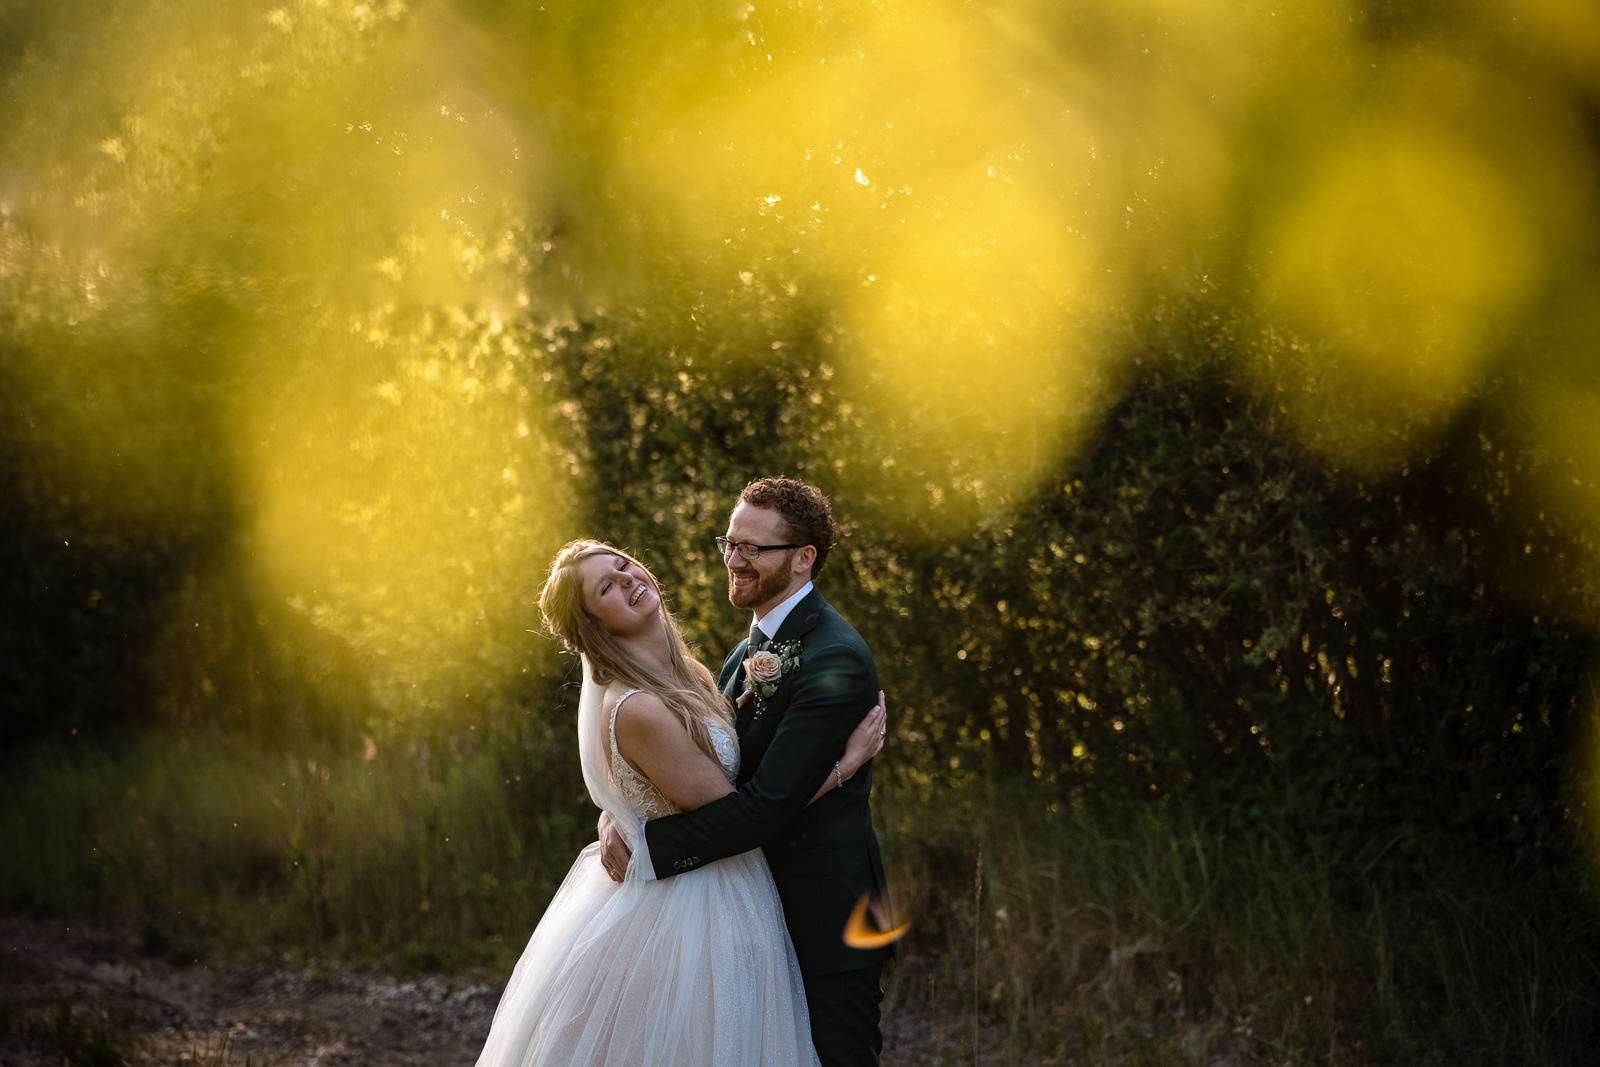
746	549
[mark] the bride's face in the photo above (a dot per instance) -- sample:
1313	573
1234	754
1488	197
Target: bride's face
618	594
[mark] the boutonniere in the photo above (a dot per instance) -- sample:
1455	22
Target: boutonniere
764	670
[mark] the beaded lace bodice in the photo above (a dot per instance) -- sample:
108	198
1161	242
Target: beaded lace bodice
641	793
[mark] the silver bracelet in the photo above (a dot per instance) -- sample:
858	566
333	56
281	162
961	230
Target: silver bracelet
836	775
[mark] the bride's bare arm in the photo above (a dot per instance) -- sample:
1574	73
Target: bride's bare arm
655	742
655	738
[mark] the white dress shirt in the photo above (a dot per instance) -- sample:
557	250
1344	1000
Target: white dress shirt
773	622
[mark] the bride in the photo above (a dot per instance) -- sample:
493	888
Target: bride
696	969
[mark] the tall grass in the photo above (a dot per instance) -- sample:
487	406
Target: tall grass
1044	931
417	858
1154	935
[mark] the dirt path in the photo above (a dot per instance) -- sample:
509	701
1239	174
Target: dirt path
81	996
70	995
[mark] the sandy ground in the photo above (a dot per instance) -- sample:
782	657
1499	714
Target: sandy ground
72	995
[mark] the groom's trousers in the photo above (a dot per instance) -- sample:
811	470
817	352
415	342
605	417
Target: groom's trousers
844	1016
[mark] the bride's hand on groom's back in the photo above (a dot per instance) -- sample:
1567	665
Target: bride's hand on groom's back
866	741
613	849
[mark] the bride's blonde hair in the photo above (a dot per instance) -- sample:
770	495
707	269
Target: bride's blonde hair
686	687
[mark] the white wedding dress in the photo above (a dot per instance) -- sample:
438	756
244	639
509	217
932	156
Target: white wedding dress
690	971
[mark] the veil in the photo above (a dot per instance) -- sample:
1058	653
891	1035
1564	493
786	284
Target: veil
594	755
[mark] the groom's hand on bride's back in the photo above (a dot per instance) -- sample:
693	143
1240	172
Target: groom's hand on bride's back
614	851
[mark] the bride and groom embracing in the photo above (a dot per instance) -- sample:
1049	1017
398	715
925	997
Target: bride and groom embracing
706	927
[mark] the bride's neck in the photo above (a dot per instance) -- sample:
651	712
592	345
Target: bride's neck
651	650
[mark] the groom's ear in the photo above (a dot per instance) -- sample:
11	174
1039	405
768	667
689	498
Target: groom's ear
804	558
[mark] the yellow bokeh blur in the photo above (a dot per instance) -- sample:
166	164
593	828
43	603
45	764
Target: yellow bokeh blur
1566	32
967	359
1400	266
1564	427
293	245
406	500
277	283
947	207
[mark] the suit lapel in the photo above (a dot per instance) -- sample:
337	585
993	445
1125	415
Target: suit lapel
800	622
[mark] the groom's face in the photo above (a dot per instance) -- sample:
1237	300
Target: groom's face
761	584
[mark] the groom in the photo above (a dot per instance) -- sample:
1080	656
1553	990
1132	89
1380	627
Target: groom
823	857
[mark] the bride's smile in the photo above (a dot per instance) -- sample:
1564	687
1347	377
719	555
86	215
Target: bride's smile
619	595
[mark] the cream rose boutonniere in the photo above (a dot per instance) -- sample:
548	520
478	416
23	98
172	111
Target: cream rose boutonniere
763	671
764	668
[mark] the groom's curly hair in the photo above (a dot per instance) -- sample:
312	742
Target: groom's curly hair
805	512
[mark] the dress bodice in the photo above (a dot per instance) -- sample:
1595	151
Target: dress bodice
639	792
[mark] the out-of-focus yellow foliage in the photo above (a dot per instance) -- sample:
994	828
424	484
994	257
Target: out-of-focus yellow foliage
946	206
967	357
285	263
1566	32
1407	246
1399	265
405	494
295	244
1560	424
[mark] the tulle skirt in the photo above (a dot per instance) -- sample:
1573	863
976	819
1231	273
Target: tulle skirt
690	971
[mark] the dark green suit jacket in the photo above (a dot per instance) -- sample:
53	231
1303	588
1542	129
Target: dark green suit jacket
823	857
